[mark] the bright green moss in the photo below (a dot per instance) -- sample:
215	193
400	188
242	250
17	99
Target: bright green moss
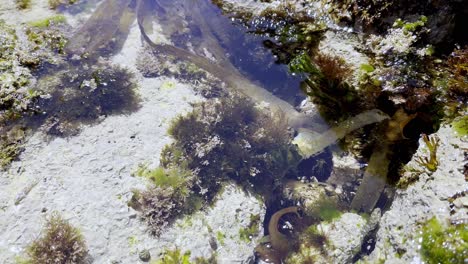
43	23
175	178
444	244
367	68
410	27
460	126
327	211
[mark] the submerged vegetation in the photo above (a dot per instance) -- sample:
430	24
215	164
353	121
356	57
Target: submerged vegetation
41	87
441	244
60	243
167	195
430	162
232	137
244	145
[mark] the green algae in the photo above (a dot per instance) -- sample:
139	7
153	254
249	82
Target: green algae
327	210
47	22
442	244
247	233
175	178
460	126
367	68
410	26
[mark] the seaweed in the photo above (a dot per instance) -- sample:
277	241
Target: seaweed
175	256
244	145
159	207
81	94
60	243
11	145
105	32
430	162
167	196
327	87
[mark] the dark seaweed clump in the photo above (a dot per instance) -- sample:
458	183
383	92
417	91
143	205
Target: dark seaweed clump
245	145
84	93
220	140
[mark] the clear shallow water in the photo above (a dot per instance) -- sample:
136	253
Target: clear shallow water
85	95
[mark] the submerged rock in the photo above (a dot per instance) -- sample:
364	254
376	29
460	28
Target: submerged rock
428	195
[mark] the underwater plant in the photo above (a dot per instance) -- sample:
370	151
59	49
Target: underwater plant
60	243
82	93
444	244
244	145
327	87
158	206
175	256
431	162
176	178
168	194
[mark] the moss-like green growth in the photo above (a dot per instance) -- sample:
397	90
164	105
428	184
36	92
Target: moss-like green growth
444	244
460	126
47	22
325	208
246	234
168	195
175	256
410	26
60	243
431	162
175	178
314	236
23	4
367	68
328	211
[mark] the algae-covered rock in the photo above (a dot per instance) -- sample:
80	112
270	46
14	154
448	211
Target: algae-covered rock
428	194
